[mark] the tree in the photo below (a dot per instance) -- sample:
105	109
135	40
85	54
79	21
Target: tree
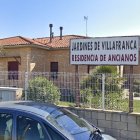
41	89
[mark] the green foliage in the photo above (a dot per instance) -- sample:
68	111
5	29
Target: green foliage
96	101
115	101
136	88
2	50
62	103
137	106
41	89
94	81
86	94
91	81
91	86
106	69
67	94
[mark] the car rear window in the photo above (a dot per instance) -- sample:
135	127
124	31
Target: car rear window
63	119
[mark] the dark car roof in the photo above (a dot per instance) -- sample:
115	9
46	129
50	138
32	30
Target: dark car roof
41	109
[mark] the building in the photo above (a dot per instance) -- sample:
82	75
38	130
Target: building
48	54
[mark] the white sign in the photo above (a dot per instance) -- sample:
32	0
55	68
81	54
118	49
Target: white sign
105	51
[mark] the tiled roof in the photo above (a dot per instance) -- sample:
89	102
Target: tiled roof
44	42
18	40
57	42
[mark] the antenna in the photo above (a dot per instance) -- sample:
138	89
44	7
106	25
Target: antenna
86	18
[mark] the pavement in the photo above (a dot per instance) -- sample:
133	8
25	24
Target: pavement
136	98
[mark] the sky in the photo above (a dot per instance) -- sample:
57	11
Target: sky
31	18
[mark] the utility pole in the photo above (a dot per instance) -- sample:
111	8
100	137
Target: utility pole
86	18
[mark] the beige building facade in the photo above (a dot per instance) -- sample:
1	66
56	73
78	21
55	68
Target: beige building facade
22	54
42	55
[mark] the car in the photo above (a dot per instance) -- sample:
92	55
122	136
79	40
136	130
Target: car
29	120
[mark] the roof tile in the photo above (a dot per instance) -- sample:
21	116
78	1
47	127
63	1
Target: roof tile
18	40
44	42
57	42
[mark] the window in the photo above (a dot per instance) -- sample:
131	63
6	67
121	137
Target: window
29	129
6	122
13	70
64	120
54	70
53	134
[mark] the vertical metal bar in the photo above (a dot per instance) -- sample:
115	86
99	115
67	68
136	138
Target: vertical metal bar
131	90
26	76
77	86
103	91
26	84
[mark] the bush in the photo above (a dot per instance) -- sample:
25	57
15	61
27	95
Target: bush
86	95
88	99
136	88
94	81
136	94
91	86
106	69
41	89
67	95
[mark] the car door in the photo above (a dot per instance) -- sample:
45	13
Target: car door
30	127
17	125
27	128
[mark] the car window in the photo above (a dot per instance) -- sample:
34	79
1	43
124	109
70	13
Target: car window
67	122
30	129
6	121
53	134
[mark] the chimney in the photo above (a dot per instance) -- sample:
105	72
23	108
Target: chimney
50	25
61	28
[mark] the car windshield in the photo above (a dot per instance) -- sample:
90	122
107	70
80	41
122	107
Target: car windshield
65	120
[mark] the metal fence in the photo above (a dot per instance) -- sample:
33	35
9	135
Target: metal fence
99	91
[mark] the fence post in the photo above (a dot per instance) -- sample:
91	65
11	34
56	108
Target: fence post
103	91
26	84
77	86
131	90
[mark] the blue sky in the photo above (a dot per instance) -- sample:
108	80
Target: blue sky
31	18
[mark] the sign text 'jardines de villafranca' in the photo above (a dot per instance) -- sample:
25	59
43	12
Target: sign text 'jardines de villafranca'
105	51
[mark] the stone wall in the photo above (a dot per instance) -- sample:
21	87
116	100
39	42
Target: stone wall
62	57
35	59
39	60
123	126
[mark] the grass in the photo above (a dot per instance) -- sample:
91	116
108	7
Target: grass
137	106
66	104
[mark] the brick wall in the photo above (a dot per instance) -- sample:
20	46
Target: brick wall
123	126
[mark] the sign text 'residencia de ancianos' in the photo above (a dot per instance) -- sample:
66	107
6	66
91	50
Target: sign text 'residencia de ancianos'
105	51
